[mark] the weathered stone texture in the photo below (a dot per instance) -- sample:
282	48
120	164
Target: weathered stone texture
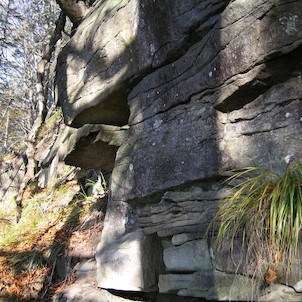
95	69
131	263
238	63
204	86
180	212
91	146
192	256
212	285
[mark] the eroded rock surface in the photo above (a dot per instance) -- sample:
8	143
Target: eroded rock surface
179	113
205	87
91	146
116	45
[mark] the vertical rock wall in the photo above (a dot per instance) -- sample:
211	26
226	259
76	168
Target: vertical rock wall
204	86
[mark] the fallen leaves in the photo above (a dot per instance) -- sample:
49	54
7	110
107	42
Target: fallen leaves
28	265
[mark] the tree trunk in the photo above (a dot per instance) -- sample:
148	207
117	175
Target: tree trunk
6	131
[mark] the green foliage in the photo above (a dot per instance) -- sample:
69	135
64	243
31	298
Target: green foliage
39	211
99	185
15	233
264	210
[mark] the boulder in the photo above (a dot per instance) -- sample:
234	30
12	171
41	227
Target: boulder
127	259
130	263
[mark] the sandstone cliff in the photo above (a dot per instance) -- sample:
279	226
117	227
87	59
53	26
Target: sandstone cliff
171	96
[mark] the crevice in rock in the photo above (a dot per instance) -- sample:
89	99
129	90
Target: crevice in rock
90	154
197	32
274	71
115	111
156	197
251	133
269	109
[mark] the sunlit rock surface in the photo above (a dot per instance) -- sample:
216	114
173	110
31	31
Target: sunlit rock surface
204	87
233	98
91	146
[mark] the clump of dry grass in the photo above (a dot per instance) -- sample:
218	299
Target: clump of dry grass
264	212
29	249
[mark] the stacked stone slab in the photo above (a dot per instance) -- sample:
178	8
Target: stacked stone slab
190	264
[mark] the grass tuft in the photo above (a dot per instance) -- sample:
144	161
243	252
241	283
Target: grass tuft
264	211
29	249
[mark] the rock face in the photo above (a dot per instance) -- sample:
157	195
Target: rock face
204	87
199	93
91	146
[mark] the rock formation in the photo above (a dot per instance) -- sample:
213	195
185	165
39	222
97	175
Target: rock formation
196	88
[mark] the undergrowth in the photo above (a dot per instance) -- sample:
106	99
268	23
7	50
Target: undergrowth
29	249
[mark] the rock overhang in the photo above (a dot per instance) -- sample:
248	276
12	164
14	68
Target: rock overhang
204	96
117	44
89	147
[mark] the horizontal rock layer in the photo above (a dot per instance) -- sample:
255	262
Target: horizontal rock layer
181	213
91	146
232	99
215	85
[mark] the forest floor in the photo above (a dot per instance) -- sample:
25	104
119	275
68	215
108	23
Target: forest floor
59	229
